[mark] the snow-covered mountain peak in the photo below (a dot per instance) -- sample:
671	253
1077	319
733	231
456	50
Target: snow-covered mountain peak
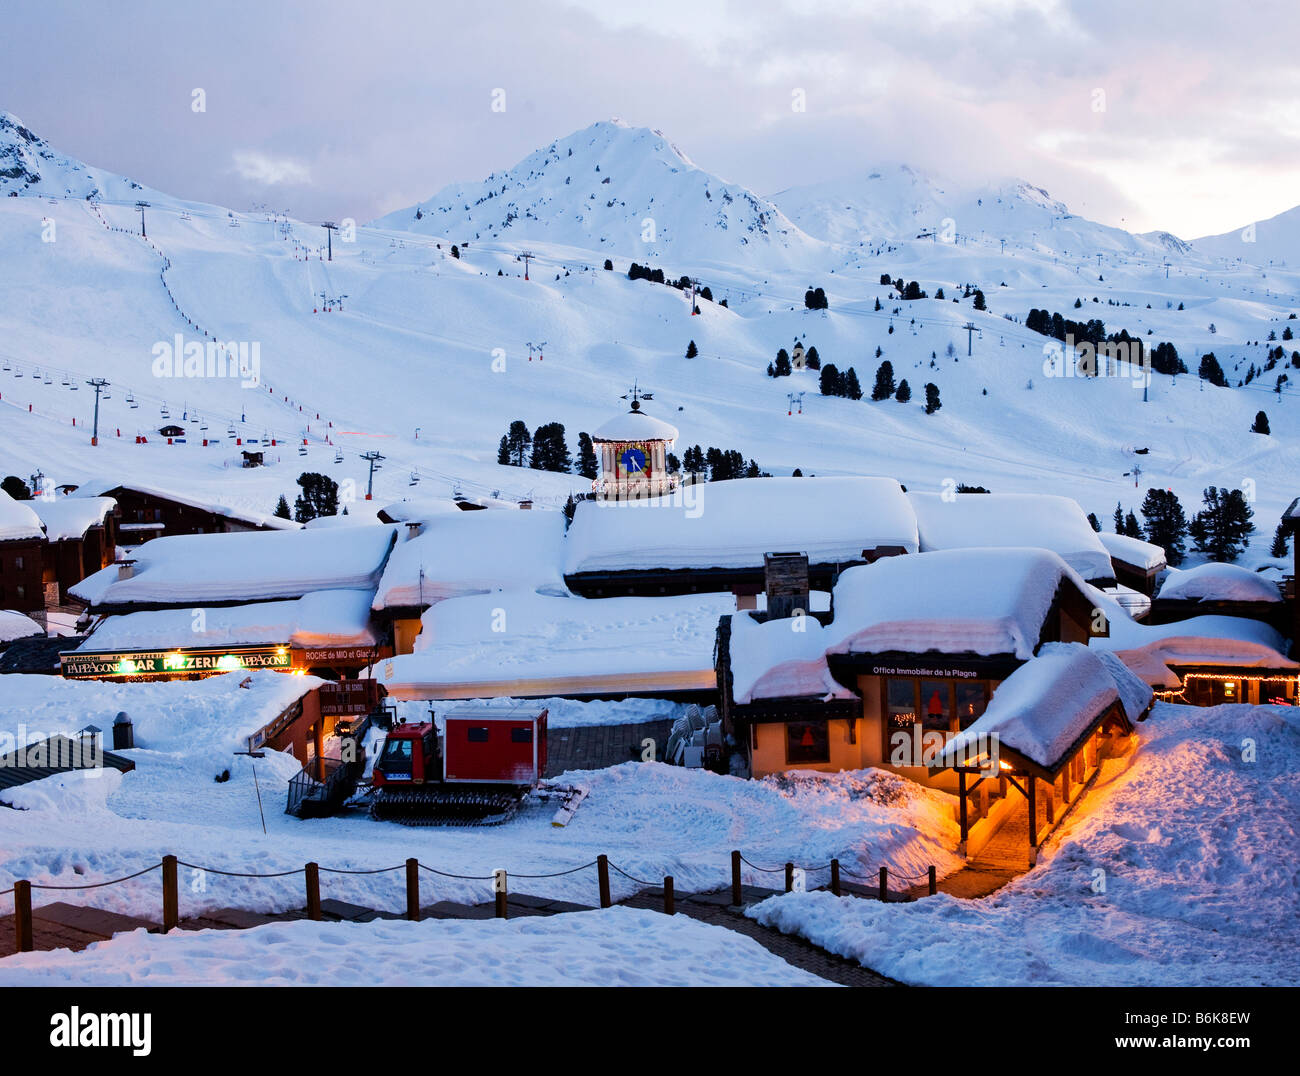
30	166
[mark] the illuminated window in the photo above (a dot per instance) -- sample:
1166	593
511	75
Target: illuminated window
807	741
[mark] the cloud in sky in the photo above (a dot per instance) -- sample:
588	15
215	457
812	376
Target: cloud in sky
353	109
268	170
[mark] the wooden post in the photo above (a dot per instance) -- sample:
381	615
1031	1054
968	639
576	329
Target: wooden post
1065	781
1030	782
23	915
413	890
735	880
313	892
171	894
1049	803
884	884
789	877
670	902
961	798
602	871
835	877
500	883
934	881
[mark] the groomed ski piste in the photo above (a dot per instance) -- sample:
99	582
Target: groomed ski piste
1193	847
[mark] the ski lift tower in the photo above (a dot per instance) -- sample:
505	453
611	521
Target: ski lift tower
373	458
330	228
142	206
971	329
527	255
99	384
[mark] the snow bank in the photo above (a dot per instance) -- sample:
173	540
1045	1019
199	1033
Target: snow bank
999	520
74	793
732	524
981	601
1219	583
247	566
321	618
464	553
780	659
1133	551
1195	848
523	643
71	517
17	520
612	947
15	625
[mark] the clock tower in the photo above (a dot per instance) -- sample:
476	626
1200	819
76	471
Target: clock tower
633	451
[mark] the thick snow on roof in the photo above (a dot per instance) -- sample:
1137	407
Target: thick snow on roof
464	553
773	660
71	517
14	625
635	426
17	520
522	643
1218	582
1232	641
981	601
1043	707
98	486
246	566
996	520
321	618
1133	551
420	509
732	524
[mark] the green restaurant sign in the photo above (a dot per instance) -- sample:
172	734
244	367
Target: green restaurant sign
95	664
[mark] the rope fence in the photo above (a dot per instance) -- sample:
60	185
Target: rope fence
795	879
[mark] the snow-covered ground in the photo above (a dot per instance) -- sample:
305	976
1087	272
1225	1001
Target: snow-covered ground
613	947
1178	870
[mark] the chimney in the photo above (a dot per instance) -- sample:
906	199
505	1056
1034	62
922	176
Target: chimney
125	569
785	577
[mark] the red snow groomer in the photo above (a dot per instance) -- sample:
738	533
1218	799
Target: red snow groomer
478	772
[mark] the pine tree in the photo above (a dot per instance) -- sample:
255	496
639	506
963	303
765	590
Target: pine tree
319	497
904	392
516	443
588	466
1211	371
503	451
550	452
979	300
1278	548
1261	423
1131	527
812	360
1118	518
692	350
282	508
884	387
783	363
932	403
16	488
851	387
830	382
1223	527
608	264
1093	521
1166	523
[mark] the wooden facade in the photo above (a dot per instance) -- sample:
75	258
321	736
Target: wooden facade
22	575
144	515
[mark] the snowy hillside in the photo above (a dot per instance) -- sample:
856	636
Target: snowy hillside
597	189
29	165
1275	241
426	357
897	202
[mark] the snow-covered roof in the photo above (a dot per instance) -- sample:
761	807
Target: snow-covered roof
1229	641
732	524
996	520
17	520
196	569
464	553
98	486
635	426
769	660
520	643
1218	582
321	618
981	601
1133	551
71	517
15	625
420	509
1043	707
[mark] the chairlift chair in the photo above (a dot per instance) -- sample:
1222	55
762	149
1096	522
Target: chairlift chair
302	450
415	479
338	455
231	432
